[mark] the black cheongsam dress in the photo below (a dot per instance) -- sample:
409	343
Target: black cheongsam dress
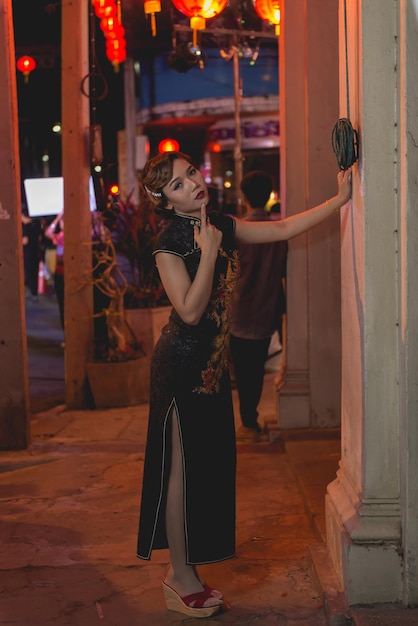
189	374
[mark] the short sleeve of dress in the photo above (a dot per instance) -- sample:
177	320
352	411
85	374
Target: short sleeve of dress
177	238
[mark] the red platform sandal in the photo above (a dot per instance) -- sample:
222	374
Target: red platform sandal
192	604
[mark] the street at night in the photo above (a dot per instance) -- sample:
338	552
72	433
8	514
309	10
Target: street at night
316	102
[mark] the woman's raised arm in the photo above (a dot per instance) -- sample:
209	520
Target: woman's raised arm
267	232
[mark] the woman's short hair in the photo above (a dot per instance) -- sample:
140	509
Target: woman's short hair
157	173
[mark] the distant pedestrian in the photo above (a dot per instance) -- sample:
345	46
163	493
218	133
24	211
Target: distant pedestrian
258	305
55	232
32	252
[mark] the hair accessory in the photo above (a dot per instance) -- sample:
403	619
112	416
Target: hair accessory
156	194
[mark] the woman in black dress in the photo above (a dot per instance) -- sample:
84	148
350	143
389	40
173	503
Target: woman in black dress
188	493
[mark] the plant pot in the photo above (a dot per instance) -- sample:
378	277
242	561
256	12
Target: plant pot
119	384
146	325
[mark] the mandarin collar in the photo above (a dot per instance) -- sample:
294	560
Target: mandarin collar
194	221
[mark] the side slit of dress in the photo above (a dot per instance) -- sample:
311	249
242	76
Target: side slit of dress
175	515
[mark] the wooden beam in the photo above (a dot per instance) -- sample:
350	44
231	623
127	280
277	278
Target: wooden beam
14	384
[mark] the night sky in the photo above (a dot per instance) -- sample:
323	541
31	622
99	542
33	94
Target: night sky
37	27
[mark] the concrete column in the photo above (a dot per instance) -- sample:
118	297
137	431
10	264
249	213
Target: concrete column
14	386
76	172
379	305
130	183
408	293
309	389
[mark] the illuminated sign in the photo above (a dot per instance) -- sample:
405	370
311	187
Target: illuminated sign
256	132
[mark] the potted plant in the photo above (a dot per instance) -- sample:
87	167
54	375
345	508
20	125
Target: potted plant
119	374
133	228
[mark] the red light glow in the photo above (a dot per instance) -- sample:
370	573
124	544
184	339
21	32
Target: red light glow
168	145
26	65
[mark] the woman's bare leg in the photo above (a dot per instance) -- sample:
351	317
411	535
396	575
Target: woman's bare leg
181	576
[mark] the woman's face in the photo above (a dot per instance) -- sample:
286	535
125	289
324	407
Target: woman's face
186	190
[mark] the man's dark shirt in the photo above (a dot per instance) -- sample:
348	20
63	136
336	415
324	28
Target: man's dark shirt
258	300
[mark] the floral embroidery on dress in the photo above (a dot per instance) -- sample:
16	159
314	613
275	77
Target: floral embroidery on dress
219	312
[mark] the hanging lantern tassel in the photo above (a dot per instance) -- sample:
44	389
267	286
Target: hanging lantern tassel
151	7
197	23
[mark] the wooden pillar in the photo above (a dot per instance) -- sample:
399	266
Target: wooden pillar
77	217
14	385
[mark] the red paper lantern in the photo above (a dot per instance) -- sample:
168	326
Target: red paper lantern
112	28
26	65
116	52
199	11
215	147
104	8
168	145
269	10
109	13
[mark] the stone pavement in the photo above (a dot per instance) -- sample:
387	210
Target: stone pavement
69	508
69	514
